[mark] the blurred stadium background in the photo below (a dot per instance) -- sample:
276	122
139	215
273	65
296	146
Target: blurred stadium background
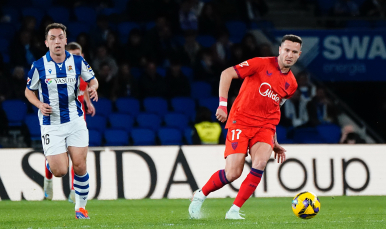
159	61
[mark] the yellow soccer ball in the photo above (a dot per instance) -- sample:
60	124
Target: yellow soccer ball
305	205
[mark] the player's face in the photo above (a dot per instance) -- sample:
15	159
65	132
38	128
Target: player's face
75	52
289	53
56	41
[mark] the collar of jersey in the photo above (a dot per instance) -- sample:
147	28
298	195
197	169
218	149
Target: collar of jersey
278	67
50	59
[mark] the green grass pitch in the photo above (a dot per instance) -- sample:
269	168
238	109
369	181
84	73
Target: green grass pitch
338	212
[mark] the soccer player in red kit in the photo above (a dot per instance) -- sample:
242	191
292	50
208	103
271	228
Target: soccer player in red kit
84	98
252	121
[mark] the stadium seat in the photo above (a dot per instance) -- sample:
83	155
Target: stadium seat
142	137
161	71
330	132
124	29
281	133
170	136
307	135
41	4
136	72
33	126
156	105
128	106
85	14
121	121
75	28
15	110
149	25
263	25
176	120
103	107
7	31
358	24
149	120
184	105
120	5
37	13
188	135
237	30
59	14
211	103
115	137
206	41
95	138
97	123
3	46
188	72
201	90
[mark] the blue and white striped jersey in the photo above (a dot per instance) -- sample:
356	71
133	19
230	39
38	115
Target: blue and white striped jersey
58	85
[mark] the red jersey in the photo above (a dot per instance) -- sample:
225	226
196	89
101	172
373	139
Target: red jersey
82	90
263	89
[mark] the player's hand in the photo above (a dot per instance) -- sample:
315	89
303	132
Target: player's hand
93	94
279	153
221	115
90	109
45	109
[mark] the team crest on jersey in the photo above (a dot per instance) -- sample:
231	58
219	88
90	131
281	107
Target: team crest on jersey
234	145
48	81
286	85
245	63
70	68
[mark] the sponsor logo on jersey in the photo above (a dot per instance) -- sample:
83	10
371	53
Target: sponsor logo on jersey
245	63
60	80
49	70
28	80
266	90
88	67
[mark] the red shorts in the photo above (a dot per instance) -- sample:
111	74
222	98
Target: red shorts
240	139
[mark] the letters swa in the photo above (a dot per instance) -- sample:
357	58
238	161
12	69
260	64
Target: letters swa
174	172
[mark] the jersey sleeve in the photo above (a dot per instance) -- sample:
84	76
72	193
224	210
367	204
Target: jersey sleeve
87	73
249	67
33	78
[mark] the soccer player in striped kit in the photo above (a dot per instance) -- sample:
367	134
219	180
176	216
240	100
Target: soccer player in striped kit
56	78
268	83
84	98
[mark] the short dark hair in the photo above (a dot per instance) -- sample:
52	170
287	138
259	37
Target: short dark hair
55	26
293	38
73	46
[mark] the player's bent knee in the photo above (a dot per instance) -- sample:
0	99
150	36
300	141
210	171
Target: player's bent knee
59	172
80	169
260	165
233	174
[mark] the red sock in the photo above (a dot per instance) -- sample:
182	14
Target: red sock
72	178
48	173
248	187
216	181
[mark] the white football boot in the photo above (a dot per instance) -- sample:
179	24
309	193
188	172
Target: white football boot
195	206
48	191
234	213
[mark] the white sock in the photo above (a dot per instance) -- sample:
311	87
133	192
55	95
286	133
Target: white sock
81	191
234	207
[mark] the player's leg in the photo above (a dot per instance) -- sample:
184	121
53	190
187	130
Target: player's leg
77	143
48	191
235	151
71	196
260	151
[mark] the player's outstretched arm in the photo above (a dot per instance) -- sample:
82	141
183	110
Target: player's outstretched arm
92	89
225	82
43	107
